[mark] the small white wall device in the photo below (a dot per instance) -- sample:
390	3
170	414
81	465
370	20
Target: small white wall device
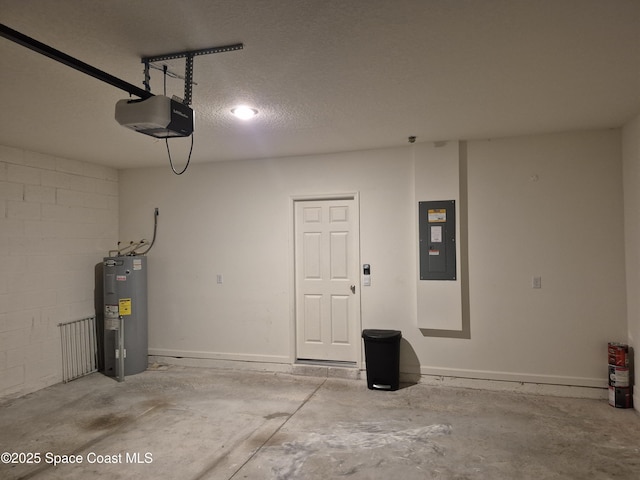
366	275
157	116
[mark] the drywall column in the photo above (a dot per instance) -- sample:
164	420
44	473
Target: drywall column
631	179
440	174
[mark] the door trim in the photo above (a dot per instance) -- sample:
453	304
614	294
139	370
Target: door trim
355	196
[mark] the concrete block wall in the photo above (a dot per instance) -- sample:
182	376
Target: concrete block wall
58	218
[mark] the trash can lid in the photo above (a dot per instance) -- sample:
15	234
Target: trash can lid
374	334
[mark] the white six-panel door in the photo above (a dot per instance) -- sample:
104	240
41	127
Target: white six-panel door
327	274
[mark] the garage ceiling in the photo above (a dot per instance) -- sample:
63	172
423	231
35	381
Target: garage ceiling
325	75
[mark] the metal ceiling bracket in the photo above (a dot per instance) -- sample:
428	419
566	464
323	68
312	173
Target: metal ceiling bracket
188	68
147	76
188	79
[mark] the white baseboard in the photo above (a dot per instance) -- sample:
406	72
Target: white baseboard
238	357
220	363
516	377
571	391
482	380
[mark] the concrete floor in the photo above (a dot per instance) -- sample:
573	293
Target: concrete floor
188	423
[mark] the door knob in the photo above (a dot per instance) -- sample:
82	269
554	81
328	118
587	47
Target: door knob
353	289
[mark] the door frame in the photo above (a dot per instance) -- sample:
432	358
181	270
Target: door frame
293	356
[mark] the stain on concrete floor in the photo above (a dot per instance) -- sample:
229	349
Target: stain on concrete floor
350	440
196	423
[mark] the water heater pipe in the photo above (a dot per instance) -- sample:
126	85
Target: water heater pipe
120	366
156	213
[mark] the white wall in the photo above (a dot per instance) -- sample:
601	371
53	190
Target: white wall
548	206
631	169
235	219
58	218
545	205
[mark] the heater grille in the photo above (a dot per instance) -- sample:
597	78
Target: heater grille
79	348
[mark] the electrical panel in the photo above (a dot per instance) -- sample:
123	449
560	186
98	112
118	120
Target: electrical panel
437	230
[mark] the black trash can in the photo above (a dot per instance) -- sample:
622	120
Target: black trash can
382	354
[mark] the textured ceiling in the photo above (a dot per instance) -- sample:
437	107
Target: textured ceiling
326	75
